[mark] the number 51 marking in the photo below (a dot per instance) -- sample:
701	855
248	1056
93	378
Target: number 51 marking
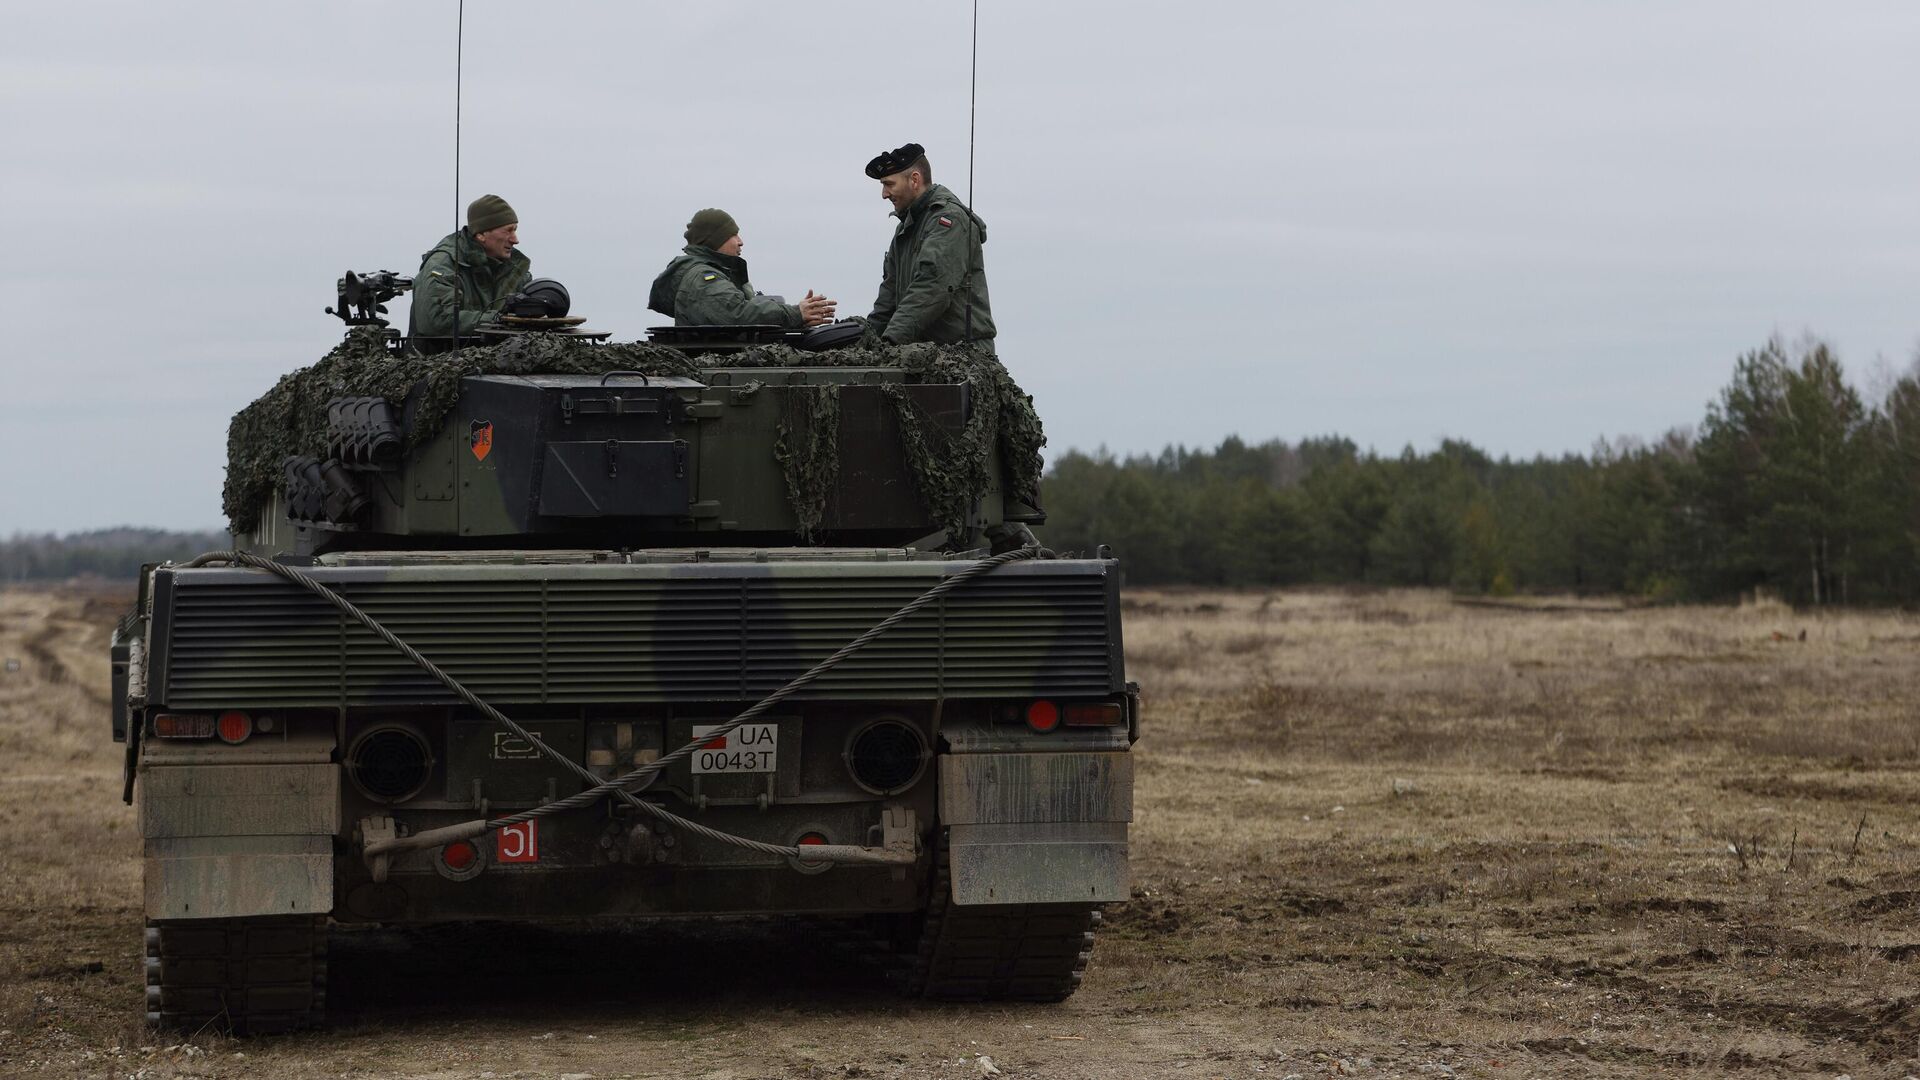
520	843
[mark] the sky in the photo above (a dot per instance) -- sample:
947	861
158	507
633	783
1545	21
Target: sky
1525	225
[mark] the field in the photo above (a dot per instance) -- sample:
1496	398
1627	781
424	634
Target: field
1377	834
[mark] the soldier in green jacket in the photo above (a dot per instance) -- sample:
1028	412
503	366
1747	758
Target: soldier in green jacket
707	284
933	284
472	271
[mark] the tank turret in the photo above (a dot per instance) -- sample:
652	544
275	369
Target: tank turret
546	442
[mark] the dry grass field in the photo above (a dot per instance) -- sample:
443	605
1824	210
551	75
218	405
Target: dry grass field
1378	834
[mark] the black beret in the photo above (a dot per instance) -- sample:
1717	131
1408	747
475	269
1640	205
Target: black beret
894	161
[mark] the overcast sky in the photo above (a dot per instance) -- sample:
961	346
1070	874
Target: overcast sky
1527	225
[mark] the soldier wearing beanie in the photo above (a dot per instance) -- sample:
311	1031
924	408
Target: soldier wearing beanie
706	284
468	276
933	284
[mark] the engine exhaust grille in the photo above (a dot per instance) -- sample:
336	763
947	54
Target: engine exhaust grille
235	639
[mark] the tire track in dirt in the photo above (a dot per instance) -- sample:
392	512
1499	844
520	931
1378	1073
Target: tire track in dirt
1648	1058
39	647
1886	1031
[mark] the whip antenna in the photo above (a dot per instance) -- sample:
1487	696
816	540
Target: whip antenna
973	98
459	51
973	87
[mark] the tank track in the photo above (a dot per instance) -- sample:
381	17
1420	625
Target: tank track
999	952
254	976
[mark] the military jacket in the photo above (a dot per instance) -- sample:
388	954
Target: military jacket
458	272
705	288
933	268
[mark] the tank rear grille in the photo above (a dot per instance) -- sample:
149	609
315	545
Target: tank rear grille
236	639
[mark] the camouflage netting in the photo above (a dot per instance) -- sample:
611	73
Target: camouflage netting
291	418
951	471
807	451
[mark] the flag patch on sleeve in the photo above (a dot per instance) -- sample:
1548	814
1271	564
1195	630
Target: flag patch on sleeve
948	222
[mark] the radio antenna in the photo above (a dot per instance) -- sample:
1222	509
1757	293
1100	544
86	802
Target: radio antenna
459	53
973	97
973	86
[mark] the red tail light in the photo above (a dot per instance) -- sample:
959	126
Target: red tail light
1098	714
461	860
459	855
183	726
235	726
809	840
1043	716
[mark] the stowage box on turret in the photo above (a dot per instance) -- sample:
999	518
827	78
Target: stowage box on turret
592	559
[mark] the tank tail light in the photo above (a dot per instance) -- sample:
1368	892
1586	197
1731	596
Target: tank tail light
461	860
183	726
235	726
1097	714
459	855
1043	716
810	839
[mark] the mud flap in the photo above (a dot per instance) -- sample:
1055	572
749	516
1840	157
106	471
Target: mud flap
226	841
1037	828
220	877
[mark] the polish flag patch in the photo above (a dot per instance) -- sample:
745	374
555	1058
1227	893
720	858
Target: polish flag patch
948	222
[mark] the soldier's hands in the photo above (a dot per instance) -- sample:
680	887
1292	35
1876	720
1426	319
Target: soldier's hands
815	310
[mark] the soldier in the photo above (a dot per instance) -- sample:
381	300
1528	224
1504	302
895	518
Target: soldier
933	284
707	284
472	271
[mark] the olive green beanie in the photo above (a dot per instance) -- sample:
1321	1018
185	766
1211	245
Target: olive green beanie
711	228
489	212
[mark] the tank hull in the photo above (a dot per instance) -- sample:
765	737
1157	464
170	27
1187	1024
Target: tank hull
920	742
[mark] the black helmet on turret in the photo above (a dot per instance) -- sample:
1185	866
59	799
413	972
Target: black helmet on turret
540	297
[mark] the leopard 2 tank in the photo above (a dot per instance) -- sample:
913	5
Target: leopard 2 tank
545	630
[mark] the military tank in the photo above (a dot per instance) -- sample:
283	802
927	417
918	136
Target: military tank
547	629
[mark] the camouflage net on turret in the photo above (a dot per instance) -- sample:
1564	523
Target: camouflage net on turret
291	418
951	471
808	451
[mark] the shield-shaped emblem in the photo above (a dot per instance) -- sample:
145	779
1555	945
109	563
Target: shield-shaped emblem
480	439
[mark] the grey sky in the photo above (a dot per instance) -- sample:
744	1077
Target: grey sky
1523	224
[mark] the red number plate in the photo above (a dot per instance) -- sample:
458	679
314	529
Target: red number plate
519	843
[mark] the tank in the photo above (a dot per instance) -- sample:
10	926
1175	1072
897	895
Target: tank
609	553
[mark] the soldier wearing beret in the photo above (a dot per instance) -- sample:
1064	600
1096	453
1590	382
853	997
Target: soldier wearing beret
706	284
469	275
933	284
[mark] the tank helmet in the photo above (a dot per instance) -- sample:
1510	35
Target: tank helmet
894	161
540	297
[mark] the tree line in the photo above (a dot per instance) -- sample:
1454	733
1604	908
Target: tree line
115	554
1791	482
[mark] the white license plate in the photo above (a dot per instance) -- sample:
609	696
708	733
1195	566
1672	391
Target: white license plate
749	748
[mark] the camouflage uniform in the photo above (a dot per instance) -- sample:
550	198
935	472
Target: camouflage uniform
705	288
932	264
457	264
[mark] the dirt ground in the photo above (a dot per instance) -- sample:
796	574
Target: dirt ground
1377	834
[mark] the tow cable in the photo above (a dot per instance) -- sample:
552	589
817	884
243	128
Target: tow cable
618	787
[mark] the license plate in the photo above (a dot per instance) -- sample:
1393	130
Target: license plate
519	843
749	748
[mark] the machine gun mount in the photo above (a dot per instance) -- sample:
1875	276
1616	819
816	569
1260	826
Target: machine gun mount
363	297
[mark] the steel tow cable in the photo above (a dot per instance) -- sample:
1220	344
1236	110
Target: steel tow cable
617	787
